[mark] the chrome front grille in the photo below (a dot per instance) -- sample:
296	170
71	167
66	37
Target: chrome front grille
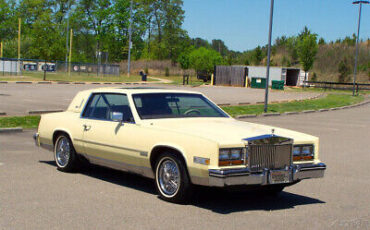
269	156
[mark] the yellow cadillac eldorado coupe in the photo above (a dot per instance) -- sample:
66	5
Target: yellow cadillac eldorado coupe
179	138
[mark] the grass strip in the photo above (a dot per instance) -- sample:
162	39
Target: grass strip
26	122
74	77
330	101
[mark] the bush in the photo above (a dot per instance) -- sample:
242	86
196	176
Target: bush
314	77
344	70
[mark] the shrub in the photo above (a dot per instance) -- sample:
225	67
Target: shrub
344	70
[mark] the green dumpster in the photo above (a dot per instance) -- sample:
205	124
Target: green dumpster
277	85
258	82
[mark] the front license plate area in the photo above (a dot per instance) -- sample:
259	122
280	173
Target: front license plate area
279	176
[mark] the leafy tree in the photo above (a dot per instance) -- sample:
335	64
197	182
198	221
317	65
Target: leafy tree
321	41
219	46
257	55
184	60
307	49
203	59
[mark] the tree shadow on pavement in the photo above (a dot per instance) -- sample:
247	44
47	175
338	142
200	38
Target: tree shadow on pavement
218	200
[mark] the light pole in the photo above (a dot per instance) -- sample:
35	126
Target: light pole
268	57
67	33
129	42
357	39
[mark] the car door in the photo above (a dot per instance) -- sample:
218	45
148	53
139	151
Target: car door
112	143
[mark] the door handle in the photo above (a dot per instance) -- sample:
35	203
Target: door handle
86	127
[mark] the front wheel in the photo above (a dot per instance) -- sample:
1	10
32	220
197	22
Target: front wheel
172	181
64	154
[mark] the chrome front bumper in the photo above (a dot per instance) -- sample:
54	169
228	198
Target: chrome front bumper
230	177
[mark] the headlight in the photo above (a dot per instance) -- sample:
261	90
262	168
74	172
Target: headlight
234	156
303	152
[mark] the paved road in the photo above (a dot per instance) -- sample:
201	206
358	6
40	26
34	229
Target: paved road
34	195
18	99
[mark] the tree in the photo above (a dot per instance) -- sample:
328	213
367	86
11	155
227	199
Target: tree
321	41
257	55
219	46
204	60
184	61
307	49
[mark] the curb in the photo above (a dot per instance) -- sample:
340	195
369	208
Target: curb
270	114
2	113
3	82
23	82
225	104
63	82
290	113
11	130
44	82
246	116
34	112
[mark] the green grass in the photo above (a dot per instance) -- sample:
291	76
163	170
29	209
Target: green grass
75	77
330	101
26	122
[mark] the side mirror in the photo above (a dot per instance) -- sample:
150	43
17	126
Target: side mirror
117	116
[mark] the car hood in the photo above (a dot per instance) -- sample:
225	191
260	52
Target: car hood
226	131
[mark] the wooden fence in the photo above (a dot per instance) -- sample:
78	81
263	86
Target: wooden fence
230	75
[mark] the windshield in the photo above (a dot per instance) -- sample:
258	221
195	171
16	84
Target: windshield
175	105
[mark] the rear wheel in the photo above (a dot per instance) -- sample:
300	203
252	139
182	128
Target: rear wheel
65	154
172	181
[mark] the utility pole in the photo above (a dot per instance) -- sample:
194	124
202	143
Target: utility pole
70	52
19	38
268	57
357	39
129	42
67	35
19	44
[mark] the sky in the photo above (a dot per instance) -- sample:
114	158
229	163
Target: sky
243	24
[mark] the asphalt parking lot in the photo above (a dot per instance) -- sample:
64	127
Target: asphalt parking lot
27	97
34	195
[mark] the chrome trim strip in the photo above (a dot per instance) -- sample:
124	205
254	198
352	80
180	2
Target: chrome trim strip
141	170
142	153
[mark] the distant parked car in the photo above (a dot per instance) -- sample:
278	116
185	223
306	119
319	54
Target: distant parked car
179	138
